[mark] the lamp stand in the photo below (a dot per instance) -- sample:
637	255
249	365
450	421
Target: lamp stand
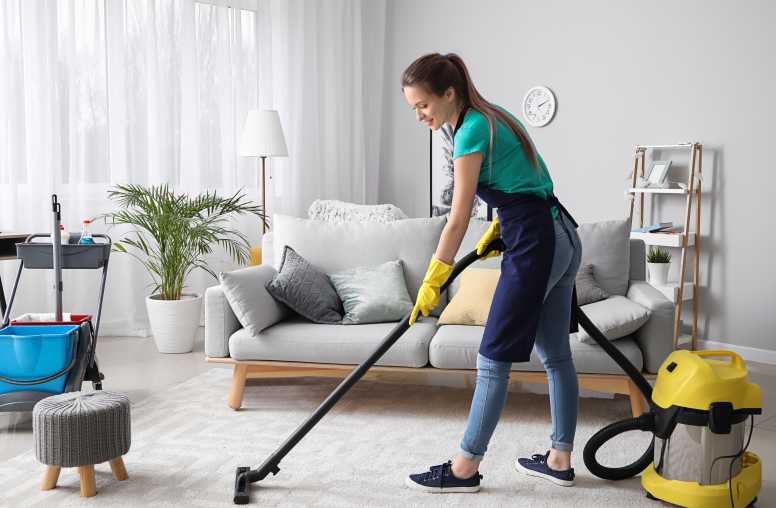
263	195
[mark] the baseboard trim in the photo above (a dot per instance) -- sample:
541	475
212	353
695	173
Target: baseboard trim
745	352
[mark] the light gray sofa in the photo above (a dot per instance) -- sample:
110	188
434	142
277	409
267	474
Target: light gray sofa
295	343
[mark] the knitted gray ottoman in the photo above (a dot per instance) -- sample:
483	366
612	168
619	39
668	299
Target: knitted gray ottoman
81	429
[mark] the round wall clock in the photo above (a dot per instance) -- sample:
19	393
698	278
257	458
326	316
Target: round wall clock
538	106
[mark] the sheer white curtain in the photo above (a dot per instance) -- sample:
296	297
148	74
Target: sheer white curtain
97	92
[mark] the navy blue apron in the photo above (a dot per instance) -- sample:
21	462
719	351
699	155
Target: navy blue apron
529	235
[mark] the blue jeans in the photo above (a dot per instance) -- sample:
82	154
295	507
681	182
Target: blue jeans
552	344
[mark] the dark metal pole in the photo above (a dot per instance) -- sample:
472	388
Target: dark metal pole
271	464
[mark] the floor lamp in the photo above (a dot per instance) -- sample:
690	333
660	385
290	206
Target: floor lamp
263	137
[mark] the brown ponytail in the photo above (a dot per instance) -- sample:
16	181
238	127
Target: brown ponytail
436	73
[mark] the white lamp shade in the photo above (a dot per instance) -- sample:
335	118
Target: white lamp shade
263	135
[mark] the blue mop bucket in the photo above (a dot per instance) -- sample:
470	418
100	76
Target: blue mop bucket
31	354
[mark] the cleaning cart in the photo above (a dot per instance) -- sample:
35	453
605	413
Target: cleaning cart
40	359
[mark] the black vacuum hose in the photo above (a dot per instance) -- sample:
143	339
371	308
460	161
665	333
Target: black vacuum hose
645	423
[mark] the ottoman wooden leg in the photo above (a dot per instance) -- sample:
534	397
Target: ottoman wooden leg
88	488
119	471
50	478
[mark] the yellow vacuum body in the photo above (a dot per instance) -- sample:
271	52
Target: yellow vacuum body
702	463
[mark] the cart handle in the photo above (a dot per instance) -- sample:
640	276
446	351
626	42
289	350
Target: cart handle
44	235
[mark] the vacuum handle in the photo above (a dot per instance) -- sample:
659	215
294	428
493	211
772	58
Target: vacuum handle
270	465
497	244
735	361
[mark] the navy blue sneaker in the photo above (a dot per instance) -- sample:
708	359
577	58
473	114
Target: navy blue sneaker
537	466
441	479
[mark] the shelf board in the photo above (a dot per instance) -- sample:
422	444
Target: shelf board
678	145
664	239
659	191
685	338
671	290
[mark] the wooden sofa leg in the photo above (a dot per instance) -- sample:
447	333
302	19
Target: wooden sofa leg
238	386
638	403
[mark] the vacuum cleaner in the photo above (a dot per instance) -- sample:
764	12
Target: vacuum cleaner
699	407
676	408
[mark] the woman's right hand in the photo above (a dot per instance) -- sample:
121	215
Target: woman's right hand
493	233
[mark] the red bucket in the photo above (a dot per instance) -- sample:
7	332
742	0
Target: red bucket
75	319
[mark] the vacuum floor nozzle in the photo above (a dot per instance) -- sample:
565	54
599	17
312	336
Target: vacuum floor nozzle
242	487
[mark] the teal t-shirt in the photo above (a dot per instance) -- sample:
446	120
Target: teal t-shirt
511	171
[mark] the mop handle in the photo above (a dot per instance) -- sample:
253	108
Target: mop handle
56	241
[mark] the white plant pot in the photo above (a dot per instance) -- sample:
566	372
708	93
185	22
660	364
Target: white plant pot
658	273
174	323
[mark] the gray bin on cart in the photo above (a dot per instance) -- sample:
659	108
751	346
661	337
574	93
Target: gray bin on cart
74	256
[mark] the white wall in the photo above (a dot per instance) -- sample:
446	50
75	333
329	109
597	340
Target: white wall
624	73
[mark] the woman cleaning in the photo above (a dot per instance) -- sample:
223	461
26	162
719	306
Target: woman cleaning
496	160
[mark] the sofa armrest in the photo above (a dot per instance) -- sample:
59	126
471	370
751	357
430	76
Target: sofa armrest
655	337
220	323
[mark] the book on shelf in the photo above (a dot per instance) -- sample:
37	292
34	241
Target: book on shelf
654	227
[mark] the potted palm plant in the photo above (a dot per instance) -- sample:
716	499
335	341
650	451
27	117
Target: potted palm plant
172	235
658	261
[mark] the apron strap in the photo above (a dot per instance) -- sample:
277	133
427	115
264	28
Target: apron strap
556	202
460	120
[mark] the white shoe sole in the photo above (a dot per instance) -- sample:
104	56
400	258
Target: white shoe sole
436	490
530	472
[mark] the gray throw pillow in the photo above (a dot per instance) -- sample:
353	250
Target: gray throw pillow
373	294
616	317
588	290
252	304
606	245
305	289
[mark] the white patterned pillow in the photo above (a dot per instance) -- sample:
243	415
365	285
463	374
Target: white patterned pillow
333	210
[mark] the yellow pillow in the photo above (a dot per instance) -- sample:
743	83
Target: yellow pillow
471	304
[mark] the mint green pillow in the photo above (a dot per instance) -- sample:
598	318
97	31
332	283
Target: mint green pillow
373	294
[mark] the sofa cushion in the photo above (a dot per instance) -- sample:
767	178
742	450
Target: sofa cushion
456	347
606	245
254	307
335	246
616	317
300	340
471	304
588	290
306	289
474	232
373	294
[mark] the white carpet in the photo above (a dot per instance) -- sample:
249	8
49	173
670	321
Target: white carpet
186	445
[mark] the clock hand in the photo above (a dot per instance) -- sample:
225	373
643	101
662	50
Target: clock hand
543	103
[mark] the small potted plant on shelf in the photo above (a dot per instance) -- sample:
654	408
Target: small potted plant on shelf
172	235
658	261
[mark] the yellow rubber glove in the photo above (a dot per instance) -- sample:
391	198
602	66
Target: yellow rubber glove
428	295
493	233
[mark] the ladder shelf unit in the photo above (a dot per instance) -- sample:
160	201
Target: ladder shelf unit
682	240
